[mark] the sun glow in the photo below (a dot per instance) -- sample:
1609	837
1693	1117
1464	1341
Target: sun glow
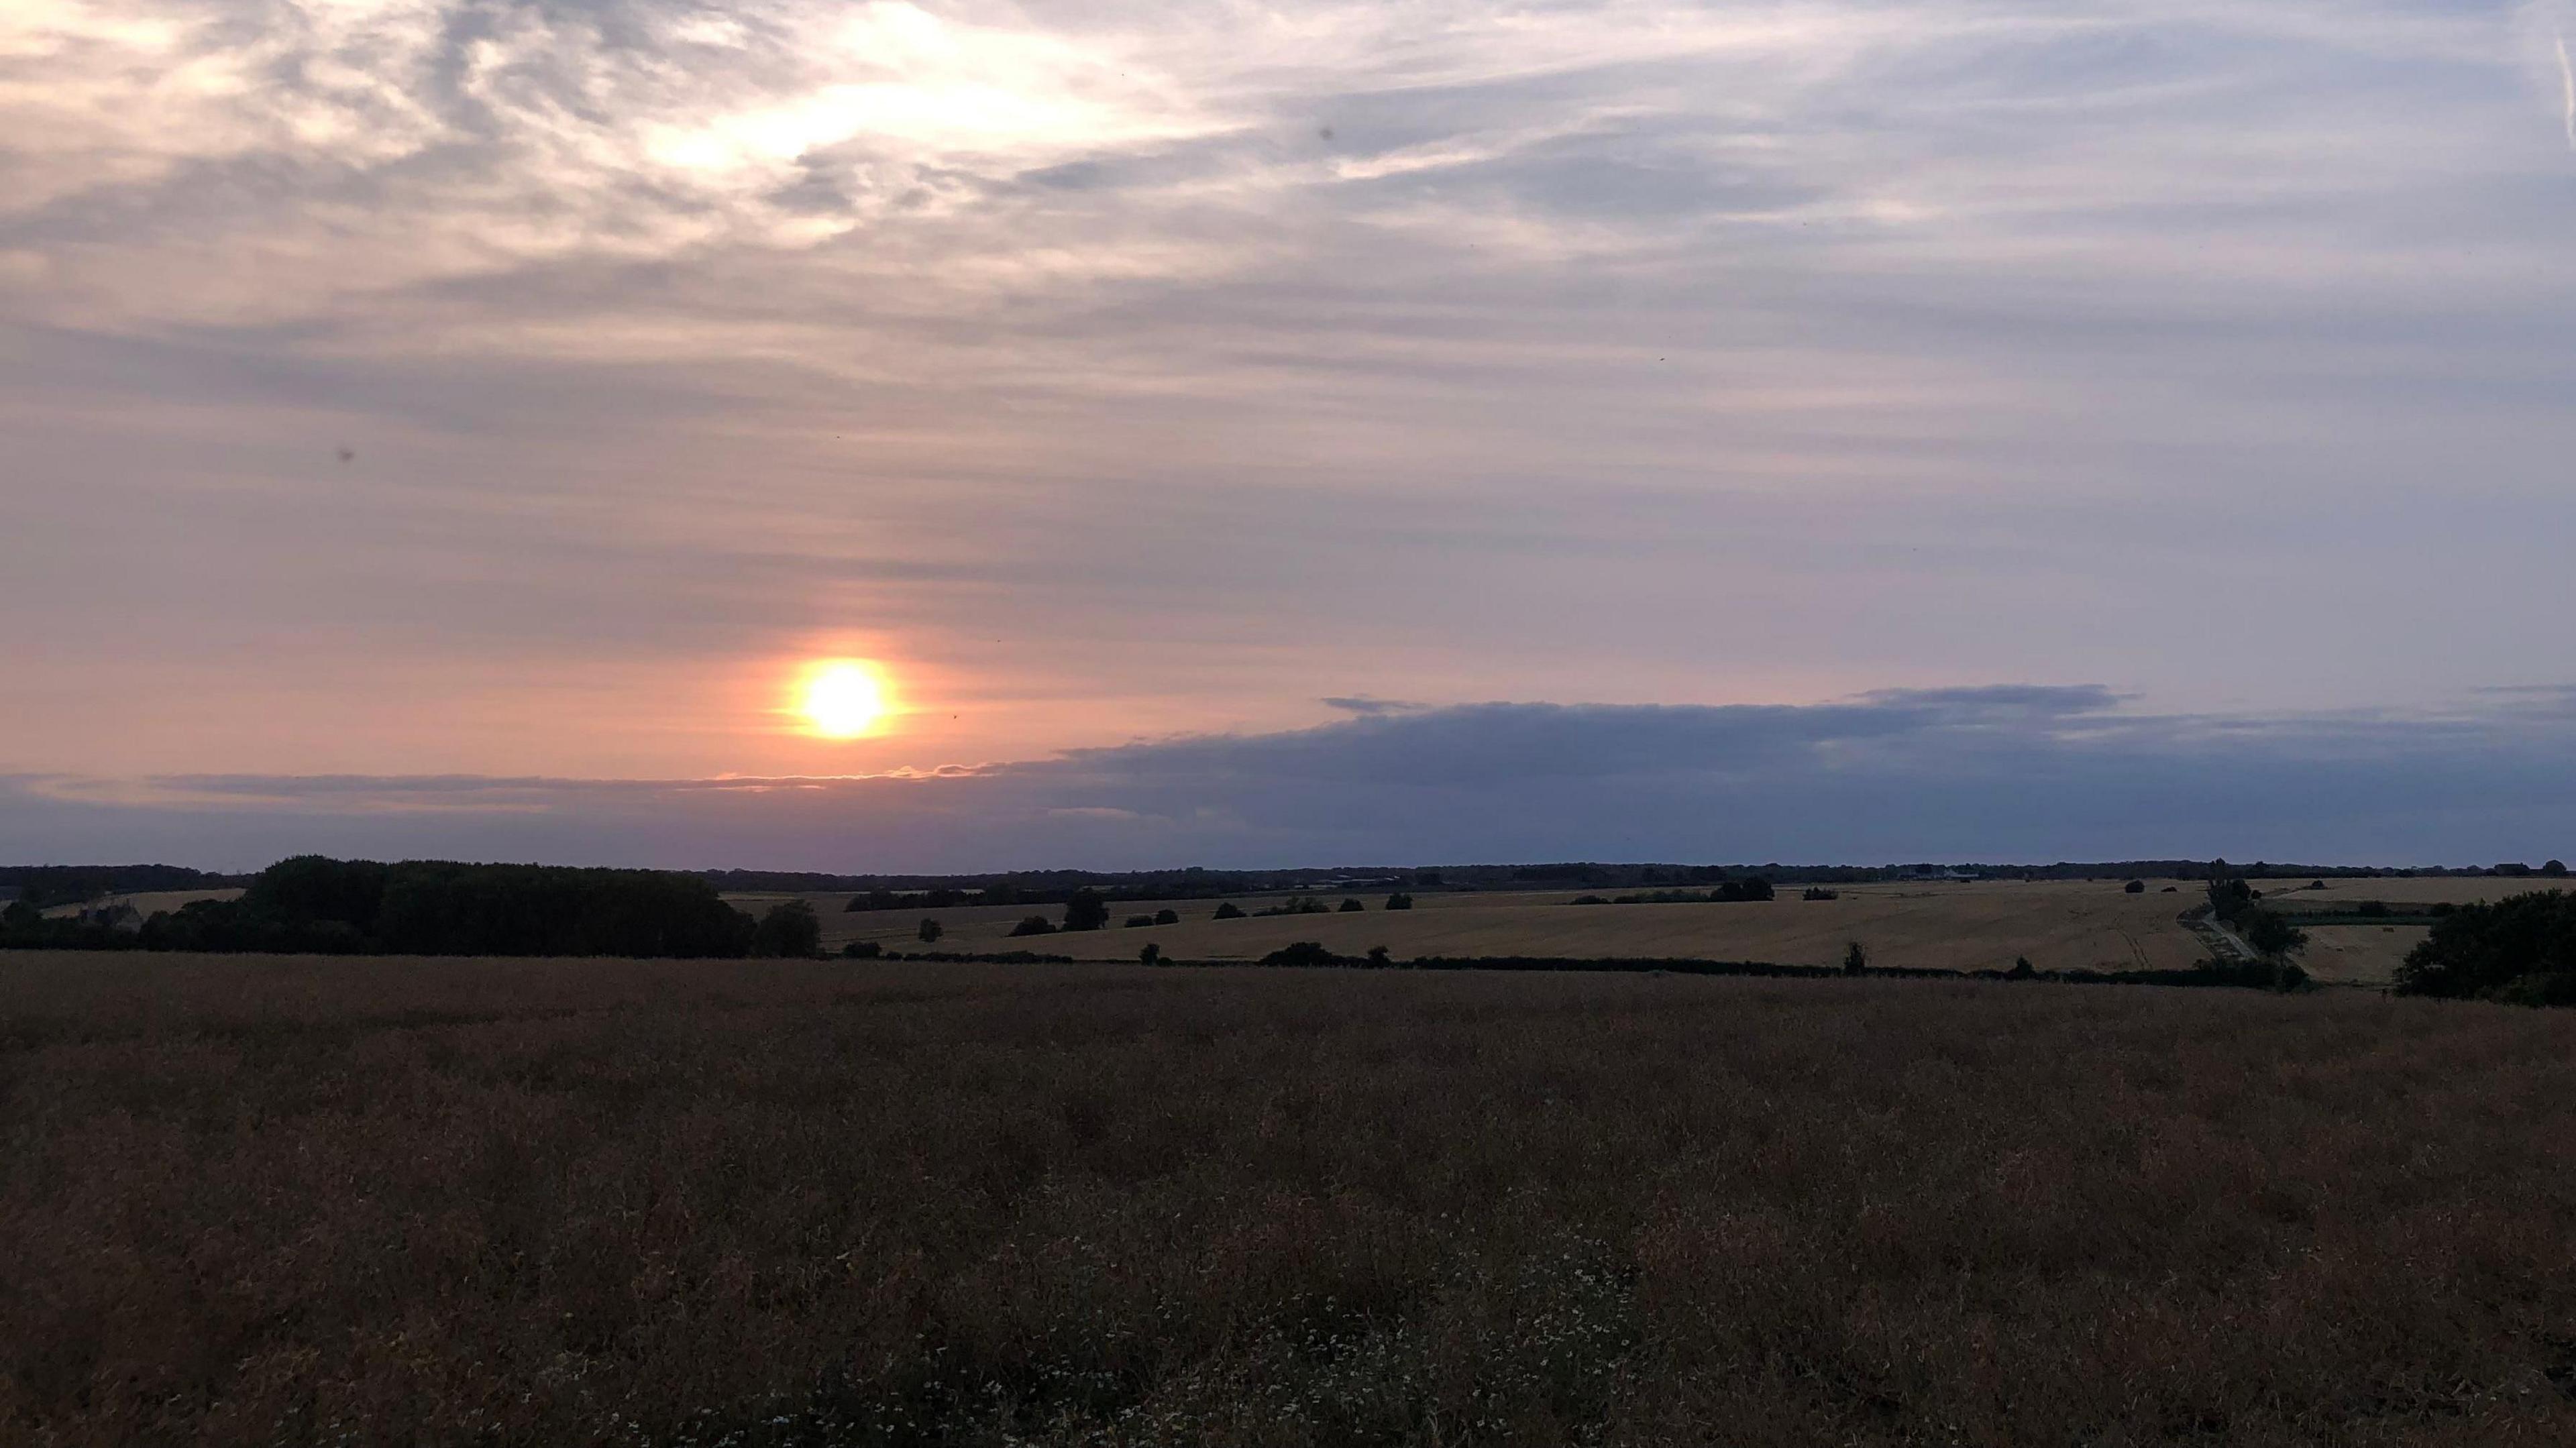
842	699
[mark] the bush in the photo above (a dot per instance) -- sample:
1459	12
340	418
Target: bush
1587	900
1139	922
1399	901
2135	887
1819	892
930	931
2494	949
2271	935
1352	907
863	950
1152	954
789	929
1380	957
1167	916
1855	958
1034	925
1086	910
1301	953
1228	911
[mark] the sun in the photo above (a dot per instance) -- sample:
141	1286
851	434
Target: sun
842	698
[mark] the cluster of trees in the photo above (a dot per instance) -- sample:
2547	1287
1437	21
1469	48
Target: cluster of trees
2238	905
1732	892
41	887
2521	948
430	907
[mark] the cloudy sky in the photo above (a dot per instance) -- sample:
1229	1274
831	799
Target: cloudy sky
1287	433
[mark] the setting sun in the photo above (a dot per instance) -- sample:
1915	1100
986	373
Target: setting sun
842	699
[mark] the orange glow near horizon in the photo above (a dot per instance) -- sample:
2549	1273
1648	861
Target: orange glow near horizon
843	699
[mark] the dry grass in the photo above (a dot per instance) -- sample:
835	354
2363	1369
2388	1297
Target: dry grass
149	902
563	1202
2059	925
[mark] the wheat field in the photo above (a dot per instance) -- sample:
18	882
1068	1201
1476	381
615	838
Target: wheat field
290	1202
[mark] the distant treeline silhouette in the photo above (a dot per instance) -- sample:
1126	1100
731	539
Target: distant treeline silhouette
42	886
430	907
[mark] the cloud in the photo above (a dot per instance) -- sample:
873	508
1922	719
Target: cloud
1624	349
2002	774
2567	90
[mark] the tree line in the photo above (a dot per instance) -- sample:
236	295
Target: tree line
314	904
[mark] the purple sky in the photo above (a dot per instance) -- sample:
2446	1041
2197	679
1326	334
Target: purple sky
451	425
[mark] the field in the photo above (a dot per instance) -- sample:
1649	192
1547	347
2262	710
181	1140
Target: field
2362	954
148	902
251	1201
2059	925
2056	924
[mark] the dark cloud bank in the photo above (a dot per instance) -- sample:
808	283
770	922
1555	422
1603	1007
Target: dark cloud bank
1998	774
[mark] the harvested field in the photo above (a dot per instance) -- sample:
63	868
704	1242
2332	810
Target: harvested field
2059	925
1920	926
148	902
2358	954
288	1201
2397	890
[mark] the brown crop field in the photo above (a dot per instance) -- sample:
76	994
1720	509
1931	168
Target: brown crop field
2059	925
299	1201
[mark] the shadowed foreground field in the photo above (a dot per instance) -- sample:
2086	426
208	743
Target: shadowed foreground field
251	1201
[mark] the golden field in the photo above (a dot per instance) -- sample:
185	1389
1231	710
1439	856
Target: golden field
2059	925
2056	924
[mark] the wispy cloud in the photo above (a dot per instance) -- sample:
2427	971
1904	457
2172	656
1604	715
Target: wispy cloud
1140	366
2567	90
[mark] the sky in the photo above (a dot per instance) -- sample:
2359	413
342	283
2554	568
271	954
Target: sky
1287	434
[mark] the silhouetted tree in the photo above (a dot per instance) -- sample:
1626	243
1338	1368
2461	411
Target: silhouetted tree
1139	922
931	930
863	950
1034	925
1152	954
1167	916
1228	911
1352	907
1380	957
2271	936
2136	887
2521	948
1399	901
2555	869
788	929
1086	910
1855	958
